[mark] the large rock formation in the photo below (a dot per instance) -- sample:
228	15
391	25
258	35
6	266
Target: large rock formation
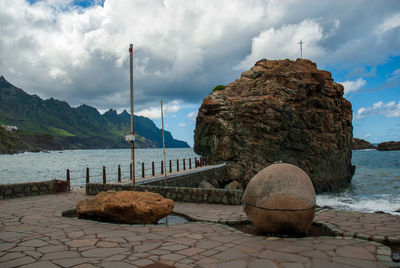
279	111
389	146
126	207
360	144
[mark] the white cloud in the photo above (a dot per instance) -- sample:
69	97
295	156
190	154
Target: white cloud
367	135
388	24
80	55
192	115
152	113
170	109
181	124
390	109
281	43
350	86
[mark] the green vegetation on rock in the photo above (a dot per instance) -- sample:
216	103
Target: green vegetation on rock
219	88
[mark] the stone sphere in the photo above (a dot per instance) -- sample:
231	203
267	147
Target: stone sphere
280	199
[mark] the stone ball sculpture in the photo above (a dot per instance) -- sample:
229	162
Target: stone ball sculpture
280	199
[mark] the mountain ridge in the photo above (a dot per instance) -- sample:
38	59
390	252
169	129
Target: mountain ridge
81	127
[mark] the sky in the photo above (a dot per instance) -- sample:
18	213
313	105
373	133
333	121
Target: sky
77	51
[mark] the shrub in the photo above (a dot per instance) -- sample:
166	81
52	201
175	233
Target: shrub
219	87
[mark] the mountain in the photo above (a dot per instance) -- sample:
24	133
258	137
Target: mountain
82	127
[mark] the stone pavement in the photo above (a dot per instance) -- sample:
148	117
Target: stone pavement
375	227
33	234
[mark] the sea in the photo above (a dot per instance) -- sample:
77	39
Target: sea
375	185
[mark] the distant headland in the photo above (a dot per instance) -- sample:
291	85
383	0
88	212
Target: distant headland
30	123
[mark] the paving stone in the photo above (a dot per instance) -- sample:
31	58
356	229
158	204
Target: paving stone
33	243
116	258
174	247
11	256
47	249
17	262
355	262
77	243
103	252
60	255
40	264
281	256
262	263
355	252
326	264
6	246
104	244
73	261
190	251
292	265
117	264
208	244
142	262
172	257
230	264
230	254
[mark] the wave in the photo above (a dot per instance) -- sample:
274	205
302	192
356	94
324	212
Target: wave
388	203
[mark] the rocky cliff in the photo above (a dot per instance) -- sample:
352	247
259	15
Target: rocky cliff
360	144
279	111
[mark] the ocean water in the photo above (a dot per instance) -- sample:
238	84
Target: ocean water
375	185
27	167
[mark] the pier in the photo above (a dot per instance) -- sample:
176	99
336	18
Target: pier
122	173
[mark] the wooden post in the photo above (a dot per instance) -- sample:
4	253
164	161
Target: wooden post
177	164
162	167
170	166
130	168
104	175
190	163
119	173
142	170
201	161
195	162
152	168
184	164
68	180
87	175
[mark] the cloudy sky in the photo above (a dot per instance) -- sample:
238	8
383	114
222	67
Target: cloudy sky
77	51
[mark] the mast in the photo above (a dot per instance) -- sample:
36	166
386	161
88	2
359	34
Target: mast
132	137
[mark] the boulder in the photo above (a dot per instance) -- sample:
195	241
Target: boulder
389	146
280	199
126	207
360	144
214	182
206	185
279	110
234	186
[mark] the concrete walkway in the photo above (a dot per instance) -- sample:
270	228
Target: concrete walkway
33	234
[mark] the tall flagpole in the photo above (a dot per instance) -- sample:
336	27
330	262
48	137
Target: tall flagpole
163	142
132	138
